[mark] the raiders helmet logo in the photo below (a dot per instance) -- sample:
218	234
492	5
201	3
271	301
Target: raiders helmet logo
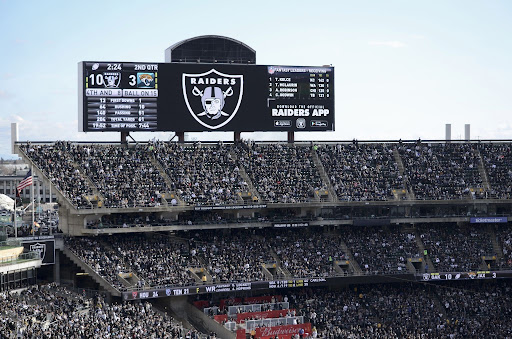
112	79
39	248
213	98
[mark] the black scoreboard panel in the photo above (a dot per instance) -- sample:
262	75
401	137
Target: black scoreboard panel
122	96
311	282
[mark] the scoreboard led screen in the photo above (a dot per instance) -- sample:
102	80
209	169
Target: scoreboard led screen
128	96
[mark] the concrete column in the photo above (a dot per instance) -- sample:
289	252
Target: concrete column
56	268
63	219
448	132
467	134
14	135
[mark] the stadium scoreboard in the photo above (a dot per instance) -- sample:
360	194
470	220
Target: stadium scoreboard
128	96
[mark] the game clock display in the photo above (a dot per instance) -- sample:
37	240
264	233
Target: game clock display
129	96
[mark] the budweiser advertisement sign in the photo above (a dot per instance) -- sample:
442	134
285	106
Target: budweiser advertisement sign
282	331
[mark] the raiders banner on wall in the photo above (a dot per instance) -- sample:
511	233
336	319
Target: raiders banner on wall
45	248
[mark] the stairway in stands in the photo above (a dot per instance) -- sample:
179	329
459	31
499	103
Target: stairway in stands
241	170
167	196
92	273
333	197
409	192
483	173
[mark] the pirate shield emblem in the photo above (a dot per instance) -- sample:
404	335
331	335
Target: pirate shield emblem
39	248
213	98
111	79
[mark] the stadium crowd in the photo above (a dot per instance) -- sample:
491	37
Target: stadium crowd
232	257
457	248
498	164
50	311
504	237
126	177
242	255
58	165
157	260
361	172
218	174
101	258
381	251
409	311
281	173
201	174
307	254
441	171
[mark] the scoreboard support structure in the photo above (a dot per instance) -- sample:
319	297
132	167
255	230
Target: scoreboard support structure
291	137
124	135
181	136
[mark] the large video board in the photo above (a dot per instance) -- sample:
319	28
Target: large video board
137	96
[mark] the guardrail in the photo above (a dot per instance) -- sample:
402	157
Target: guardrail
10	243
21	257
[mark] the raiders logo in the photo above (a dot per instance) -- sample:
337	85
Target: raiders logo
213	98
39	248
111	79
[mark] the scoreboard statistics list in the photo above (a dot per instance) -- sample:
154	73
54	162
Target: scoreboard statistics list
121	96
137	96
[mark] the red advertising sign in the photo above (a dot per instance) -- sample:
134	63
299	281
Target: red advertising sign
282	331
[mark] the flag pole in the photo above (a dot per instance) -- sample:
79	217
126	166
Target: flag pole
15	226
51	209
32	197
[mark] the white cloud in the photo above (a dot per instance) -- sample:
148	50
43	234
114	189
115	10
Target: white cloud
394	44
4	94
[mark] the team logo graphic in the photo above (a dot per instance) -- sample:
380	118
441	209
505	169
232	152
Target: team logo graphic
112	79
39	248
300	123
146	80
134	294
213	98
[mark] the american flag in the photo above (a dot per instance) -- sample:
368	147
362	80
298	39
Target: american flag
27	181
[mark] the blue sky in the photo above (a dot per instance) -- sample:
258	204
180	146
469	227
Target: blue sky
403	68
